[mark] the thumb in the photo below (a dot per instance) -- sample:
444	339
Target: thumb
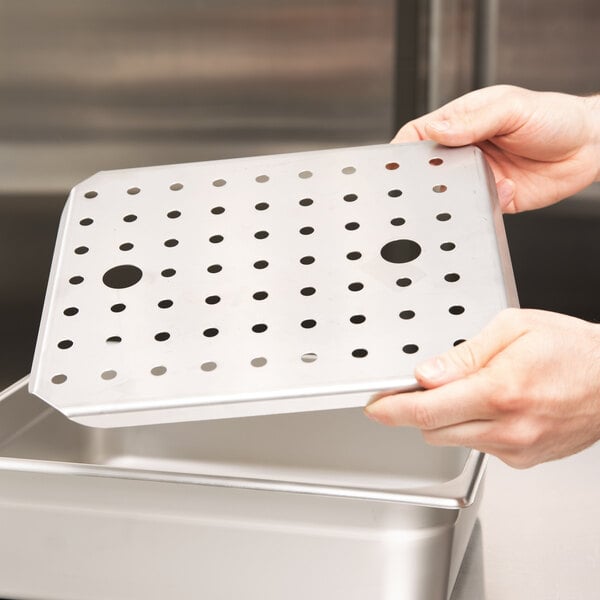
474	354
477	116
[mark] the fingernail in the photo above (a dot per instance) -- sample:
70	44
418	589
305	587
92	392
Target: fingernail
431	369
370	415
505	191
440	126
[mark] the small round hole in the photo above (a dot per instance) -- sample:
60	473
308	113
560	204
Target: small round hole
451	277
353	226
308	323
308	291
260	295
76	280
219	182
353	255
90	194
459	342
212	299
307	230
158	371
448	246
349	170
171	243
359	353
392	166
114	339
398	221
210	332
259	328
305	202
217	210
356	286
410	349
436	162
168	272
117	308
261	235
130	218
407	314
456	310
175	187
71	311
208	366
305	174
214	269
358	319
261	206
395	193
438	189
260	361
307	260
443	217
81	250
162	336
261	264
262	179
132	191
108	375
65	344
58	379
308	357
165	304
126	247
216	239
350	198
403	282
174	214
86	222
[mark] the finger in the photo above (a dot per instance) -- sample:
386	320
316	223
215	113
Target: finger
473	354
472	434
457	402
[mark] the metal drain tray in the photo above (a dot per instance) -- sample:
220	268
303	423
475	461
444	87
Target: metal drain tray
264	285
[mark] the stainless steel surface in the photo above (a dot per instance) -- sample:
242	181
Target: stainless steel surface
196	508
391	229
88	85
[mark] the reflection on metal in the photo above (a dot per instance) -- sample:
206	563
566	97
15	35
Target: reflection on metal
90	85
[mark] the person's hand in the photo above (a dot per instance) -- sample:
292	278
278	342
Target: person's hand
542	146
526	389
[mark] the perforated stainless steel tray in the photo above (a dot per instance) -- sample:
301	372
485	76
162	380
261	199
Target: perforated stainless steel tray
262	285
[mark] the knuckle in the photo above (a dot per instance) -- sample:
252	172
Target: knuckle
423	416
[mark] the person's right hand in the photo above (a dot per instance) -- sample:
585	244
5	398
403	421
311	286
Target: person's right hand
542	146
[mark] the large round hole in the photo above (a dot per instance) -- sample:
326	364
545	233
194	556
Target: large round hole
400	251
122	276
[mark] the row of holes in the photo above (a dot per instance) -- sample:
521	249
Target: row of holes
351	226
262	295
260	361
217	239
175	187
163	336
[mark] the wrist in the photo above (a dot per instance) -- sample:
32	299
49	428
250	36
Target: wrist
592	104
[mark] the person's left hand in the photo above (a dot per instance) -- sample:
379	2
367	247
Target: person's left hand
526	389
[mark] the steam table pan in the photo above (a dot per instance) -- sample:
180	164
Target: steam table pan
249	289
266	285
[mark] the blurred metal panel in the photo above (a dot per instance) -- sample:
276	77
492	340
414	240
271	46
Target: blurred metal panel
549	45
87	85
